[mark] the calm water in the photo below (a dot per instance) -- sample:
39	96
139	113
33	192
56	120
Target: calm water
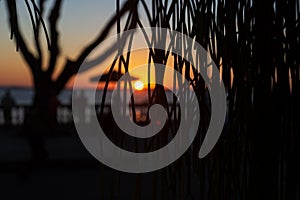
24	96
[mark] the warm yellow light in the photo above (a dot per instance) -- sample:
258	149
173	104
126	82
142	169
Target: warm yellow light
138	85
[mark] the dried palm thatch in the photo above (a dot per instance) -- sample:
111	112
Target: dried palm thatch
255	43
35	14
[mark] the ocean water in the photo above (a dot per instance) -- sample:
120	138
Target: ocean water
24	96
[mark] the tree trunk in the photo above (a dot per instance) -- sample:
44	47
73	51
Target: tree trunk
41	118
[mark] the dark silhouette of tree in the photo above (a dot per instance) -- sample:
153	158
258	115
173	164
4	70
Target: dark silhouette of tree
46	88
34	12
256	44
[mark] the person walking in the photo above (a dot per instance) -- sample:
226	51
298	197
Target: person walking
7	104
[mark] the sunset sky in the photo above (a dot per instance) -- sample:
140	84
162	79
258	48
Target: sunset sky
80	22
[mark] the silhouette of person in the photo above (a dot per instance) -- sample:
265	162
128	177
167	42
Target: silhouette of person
7	104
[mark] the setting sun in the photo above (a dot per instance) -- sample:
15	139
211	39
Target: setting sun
139	85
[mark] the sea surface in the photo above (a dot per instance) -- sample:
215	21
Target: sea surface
24	96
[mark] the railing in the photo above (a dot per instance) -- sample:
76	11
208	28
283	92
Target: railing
64	113
17	115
